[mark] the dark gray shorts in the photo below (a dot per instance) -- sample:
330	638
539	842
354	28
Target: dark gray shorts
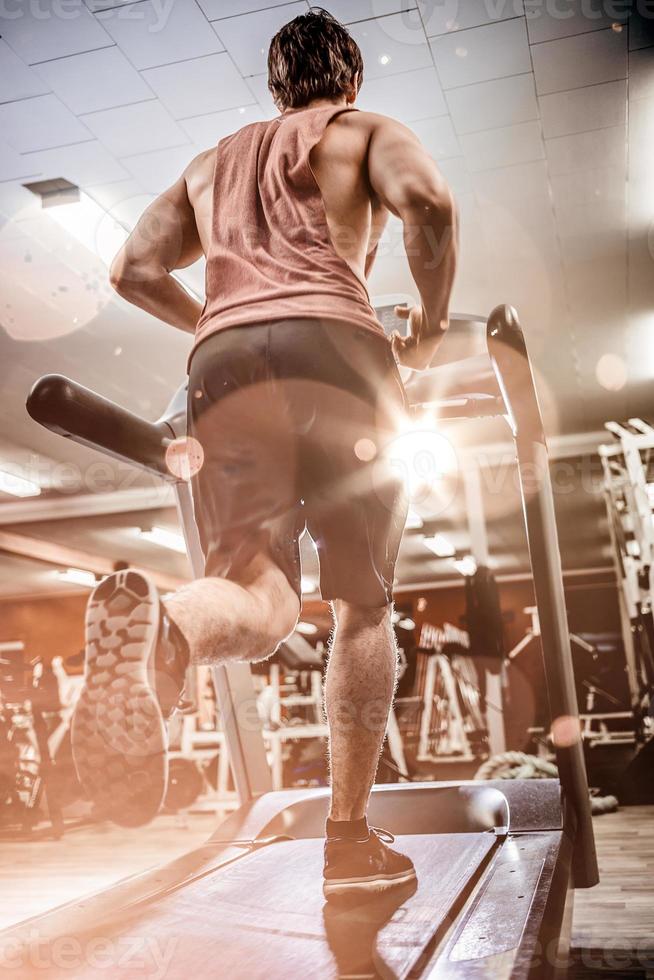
293	418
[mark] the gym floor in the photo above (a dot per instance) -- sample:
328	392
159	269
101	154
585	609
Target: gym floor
613	926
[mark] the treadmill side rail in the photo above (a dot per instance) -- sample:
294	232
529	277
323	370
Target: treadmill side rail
507	348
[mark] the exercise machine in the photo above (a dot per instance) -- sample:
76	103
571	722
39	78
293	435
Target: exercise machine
496	862
628	468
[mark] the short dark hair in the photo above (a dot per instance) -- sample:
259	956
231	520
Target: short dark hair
312	57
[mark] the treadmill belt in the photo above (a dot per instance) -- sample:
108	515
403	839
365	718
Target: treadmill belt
264	918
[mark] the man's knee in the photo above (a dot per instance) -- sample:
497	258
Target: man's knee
278	616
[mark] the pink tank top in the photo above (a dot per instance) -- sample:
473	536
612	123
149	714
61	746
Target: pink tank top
271	256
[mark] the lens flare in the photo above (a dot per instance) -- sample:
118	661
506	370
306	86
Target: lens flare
184	457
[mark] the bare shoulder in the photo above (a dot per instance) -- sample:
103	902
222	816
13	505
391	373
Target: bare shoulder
201	165
375	122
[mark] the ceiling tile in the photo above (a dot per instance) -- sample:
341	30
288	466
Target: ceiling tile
456	173
247	38
641	126
39	123
580	109
258	85
15	200
502	147
349	11
641	74
587	186
114	193
95	80
501	102
40	34
573	62
409	96
587	151
153	34
193	88
482	53
641	28
206	131
13	165
399	38
83	163
594	244
546	23
135	128
157	171
591	218
516	183
438	137
216	9
17	81
447	17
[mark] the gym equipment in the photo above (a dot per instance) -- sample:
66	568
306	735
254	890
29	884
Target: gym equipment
496	862
628	467
28	692
452	724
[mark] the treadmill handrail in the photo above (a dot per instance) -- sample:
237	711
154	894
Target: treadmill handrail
508	352
75	412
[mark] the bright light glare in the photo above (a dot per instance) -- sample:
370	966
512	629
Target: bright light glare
406	624
77	576
307	629
423	457
309	585
441	546
18	486
413	521
611	372
466	566
87	222
165	539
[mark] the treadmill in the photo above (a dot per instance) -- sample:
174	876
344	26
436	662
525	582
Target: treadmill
497	862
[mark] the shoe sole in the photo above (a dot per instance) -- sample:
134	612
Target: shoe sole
369	886
118	734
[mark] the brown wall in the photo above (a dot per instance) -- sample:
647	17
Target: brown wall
49	626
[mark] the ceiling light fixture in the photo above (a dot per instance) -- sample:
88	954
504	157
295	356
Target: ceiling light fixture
413	521
18	486
78	576
164	538
306	629
466	566
441	546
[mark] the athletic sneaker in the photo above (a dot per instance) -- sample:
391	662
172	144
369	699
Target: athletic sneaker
135	666
367	865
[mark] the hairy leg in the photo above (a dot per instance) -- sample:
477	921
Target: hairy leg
360	684
236	619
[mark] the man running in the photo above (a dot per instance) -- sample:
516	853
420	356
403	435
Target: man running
293	394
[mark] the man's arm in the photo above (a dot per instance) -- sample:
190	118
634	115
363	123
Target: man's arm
165	238
410	185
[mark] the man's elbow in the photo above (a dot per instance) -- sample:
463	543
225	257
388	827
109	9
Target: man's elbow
118	274
432	201
128	277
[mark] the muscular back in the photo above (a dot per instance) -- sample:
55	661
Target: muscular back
355	214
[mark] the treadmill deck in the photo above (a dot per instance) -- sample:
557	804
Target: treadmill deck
264	917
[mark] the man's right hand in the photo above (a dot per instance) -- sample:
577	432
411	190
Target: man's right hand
417	349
